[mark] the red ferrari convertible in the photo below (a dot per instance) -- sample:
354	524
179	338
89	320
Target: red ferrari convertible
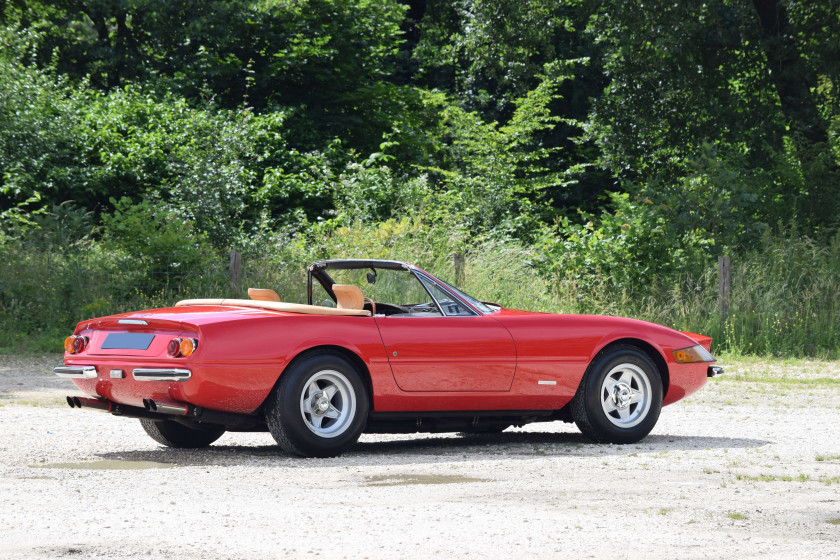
381	347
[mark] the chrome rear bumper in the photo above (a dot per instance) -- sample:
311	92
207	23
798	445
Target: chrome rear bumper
140	374
76	372
161	374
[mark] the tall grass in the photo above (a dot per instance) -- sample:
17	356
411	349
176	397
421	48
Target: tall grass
785	297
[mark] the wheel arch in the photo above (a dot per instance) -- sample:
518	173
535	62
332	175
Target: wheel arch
355	360
651	351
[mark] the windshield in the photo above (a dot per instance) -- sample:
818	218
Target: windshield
483	307
398	287
399	292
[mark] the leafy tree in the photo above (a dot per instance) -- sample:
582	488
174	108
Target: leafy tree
685	76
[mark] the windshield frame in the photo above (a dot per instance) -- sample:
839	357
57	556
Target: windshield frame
318	270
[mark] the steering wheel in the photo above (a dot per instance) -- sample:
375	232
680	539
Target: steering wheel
372	306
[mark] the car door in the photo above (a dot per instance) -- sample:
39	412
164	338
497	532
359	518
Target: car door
455	350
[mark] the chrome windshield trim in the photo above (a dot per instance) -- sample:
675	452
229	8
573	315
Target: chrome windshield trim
439	284
161	374
76	372
132	322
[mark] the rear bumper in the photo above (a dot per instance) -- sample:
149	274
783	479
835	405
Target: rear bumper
140	374
239	388
76	372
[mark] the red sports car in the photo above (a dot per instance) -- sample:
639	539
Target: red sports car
381	347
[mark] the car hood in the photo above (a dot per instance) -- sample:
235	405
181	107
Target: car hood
612	325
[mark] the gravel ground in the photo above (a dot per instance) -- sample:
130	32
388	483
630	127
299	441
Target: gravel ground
749	467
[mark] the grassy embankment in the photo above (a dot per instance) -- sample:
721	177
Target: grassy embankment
785	298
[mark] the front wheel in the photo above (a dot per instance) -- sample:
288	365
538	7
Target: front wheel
619	398
320	407
172	434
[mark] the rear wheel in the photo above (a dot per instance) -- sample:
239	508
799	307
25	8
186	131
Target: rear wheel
174	434
620	397
320	407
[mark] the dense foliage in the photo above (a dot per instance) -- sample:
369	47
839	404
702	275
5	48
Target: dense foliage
603	153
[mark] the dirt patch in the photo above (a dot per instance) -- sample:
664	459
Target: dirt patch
409	479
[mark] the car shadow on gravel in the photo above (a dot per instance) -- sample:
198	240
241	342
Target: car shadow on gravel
436	448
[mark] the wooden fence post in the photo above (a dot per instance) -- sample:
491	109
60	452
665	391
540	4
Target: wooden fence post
724	285
235	272
458	261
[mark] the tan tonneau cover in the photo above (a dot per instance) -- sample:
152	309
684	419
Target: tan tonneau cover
275	306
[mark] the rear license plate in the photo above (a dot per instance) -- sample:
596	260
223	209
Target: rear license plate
127	341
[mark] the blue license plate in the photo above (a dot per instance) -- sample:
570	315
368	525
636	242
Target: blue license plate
127	341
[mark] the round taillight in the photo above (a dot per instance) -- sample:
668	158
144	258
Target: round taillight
79	343
188	346
174	347
68	344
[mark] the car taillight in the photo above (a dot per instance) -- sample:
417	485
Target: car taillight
75	344
179	347
188	346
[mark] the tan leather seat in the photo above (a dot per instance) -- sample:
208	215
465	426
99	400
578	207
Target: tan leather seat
348	296
262	294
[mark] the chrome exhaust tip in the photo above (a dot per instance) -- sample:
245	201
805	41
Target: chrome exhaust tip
174	409
94	404
714	371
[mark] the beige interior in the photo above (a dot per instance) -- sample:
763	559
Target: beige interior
348	296
276	306
263	294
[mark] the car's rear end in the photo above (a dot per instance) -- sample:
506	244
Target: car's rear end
162	365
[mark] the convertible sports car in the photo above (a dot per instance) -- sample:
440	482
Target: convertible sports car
381	347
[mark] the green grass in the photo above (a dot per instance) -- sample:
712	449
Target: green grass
773	478
784	303
827	458
782	380
37	343
736	515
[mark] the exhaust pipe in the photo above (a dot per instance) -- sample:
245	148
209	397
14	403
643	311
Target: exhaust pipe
174	409
184	413
84	402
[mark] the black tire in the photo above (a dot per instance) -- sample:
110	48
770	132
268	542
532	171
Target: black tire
173	434
319	408
613	380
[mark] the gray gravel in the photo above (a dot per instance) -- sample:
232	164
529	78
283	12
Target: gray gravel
748	467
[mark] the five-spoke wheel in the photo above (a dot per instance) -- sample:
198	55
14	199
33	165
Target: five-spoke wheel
328	403
319	408
626	395
620	397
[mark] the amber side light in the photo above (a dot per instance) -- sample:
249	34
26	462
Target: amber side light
75	344
693	355
188	346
